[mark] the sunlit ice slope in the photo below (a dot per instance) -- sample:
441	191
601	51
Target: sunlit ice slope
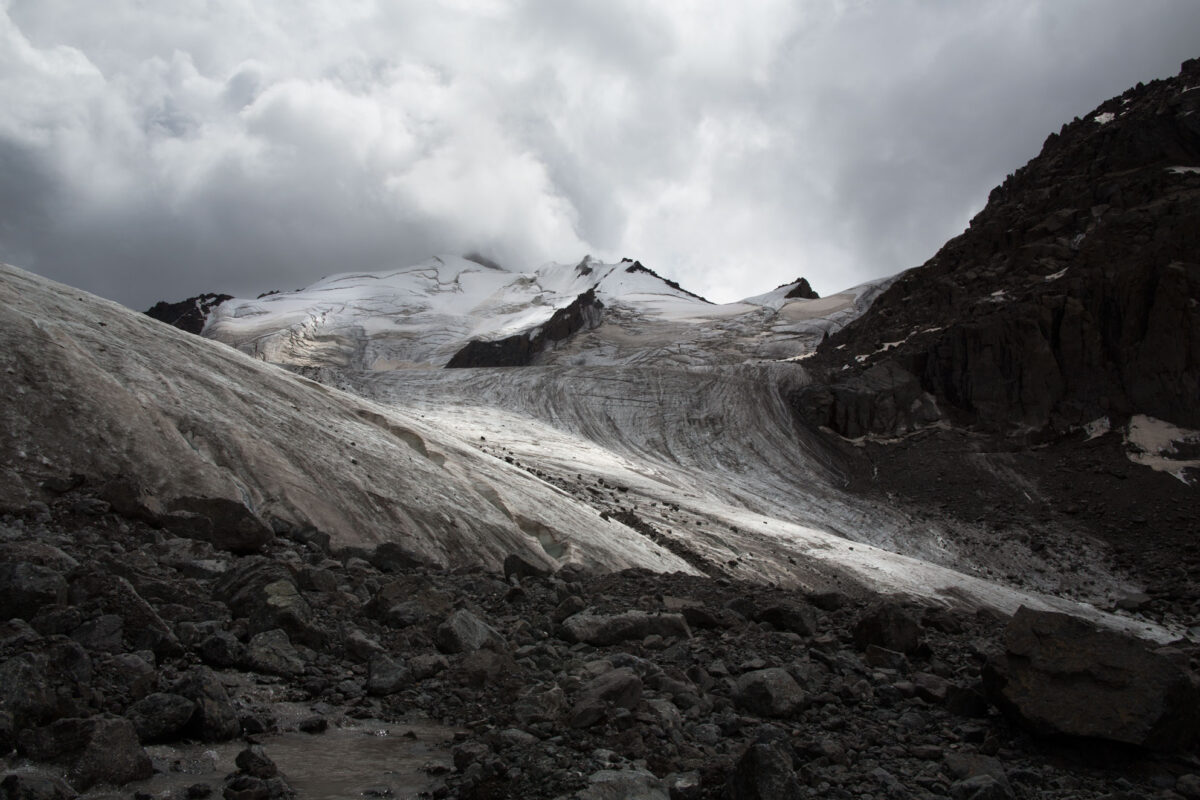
91	387
424	314
710	463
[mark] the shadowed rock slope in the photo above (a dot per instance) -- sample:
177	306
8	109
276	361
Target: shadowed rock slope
1074	295
1015	378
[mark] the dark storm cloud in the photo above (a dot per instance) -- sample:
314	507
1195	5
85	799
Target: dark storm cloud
155	151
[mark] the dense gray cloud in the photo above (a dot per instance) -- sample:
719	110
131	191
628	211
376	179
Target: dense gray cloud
156	150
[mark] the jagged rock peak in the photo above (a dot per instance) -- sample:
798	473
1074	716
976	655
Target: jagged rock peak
190	314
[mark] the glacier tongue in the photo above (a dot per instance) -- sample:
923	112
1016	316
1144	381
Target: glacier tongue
466	466
91	387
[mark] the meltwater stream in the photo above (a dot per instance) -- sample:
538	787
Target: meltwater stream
362	758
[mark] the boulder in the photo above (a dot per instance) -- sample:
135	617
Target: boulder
255	761
609	629
798	618
272	652
516	566
386	676
29	786
394	557
266	594
617	688
764	772
623	784
226	524
27	588
160	716
215	719
142	627
891	626
96	750
26	690
1063	675
769	693
463	632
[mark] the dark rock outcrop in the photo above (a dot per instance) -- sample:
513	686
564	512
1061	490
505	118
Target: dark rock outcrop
1075	293
802	290
520	349
190	314
1062	675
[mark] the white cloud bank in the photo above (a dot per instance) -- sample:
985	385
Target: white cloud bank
155	150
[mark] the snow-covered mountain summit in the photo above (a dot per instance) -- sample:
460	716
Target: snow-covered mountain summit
429	314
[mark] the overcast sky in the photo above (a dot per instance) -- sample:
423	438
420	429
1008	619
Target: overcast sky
154	150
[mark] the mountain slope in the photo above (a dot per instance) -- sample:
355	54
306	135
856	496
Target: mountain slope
463	467
1074	295
457	312
1057	339
95	389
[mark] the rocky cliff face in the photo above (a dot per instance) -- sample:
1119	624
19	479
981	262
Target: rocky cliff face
520	349
190	314
1074	295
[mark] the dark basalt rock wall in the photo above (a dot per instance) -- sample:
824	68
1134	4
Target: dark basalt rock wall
520	349
1074	294
190	314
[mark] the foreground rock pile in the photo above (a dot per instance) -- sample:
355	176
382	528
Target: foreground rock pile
118	636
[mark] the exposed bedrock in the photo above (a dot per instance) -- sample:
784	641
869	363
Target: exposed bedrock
1075	294
520	349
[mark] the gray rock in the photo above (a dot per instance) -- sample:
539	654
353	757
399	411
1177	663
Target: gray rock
226	524
516	566
623	784
272	652
609	629
395	557
426	665
222	649
891	626
160	717
617	688
29	786
463	632
386	676
96	750
1063	675
265	593
769	693
105	634
764	772
215	719
26	690
981	787
798	618
255	761
29	587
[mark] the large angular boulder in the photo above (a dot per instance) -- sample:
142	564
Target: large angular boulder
764	772
769	693
226	524
28	587
891	626
463	632
1063	675
96	750
214	719
609	629
266	594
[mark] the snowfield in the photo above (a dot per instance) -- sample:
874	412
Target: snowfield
623	460
422	315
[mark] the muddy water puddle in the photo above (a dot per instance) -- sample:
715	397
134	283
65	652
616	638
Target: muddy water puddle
361	758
